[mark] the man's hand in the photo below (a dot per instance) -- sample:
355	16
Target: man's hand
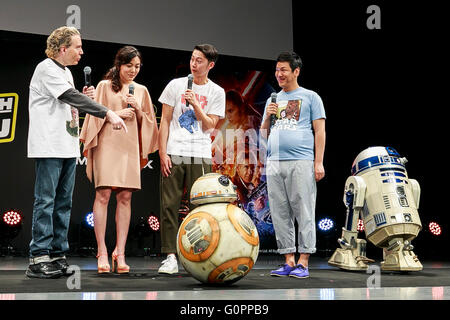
190	97
265	126
271	109
116	122
90	92
319	170
166	164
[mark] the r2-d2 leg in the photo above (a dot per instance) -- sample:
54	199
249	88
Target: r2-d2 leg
352	254
399	254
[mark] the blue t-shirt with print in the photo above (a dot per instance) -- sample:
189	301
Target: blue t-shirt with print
292	138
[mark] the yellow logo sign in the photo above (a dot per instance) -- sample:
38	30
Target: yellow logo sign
8	116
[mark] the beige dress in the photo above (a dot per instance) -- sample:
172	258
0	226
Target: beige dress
114	157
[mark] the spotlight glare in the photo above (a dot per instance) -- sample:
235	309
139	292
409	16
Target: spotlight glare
153	223
12	218
326	224
89	219
435	228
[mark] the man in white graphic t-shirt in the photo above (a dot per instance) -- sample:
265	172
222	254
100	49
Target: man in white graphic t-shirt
188	118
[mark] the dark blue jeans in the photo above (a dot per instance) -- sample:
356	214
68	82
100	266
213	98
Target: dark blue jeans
53	189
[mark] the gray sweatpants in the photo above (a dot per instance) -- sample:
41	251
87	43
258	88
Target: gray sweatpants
291	186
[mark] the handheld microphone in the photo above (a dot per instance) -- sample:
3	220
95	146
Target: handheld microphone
87	76
189	86
273	117
130	91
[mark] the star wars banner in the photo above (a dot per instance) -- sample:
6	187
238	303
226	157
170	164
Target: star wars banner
239	151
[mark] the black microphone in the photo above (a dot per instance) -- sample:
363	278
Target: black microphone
273	117
87	76
130	91
189	86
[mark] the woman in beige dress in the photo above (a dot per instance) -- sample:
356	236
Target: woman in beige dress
115	158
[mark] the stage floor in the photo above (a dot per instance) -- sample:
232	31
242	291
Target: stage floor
144	283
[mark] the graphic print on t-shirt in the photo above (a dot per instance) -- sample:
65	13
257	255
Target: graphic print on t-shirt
289	109
188	120
288	114
72	126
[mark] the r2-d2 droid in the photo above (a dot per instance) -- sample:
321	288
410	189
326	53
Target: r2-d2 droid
381	194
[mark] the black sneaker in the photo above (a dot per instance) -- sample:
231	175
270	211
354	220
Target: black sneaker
43	270
62	265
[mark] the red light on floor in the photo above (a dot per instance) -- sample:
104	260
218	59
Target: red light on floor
435	228
153	222
12	218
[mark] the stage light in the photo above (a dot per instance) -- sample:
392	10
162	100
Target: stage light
326	234
146	232
360	225
86	236
325	224
12	218
89	219
435	228
141	229
10	226
153	223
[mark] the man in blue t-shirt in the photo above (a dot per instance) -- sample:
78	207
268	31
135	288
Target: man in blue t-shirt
295	150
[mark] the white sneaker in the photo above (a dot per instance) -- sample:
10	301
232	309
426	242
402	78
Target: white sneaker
169	265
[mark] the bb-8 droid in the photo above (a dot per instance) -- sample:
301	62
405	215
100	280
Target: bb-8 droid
217	242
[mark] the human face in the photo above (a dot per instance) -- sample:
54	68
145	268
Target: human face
200	65
71	55
232	113
245	171
130	70
287	79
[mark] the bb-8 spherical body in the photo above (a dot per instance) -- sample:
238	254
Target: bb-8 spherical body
217	242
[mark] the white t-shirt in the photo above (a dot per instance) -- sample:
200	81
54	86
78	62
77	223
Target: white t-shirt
53	128
186	137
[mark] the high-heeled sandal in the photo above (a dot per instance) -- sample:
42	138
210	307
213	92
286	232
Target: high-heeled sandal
119	268
103	268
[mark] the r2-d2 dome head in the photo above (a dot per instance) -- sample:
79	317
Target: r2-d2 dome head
213	187
374	157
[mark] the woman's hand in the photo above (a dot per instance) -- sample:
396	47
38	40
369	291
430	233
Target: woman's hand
131	100
126	114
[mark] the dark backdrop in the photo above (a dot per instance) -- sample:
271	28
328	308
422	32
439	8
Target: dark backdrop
382	87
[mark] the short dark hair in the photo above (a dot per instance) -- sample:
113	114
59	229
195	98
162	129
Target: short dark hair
209	51
294	59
